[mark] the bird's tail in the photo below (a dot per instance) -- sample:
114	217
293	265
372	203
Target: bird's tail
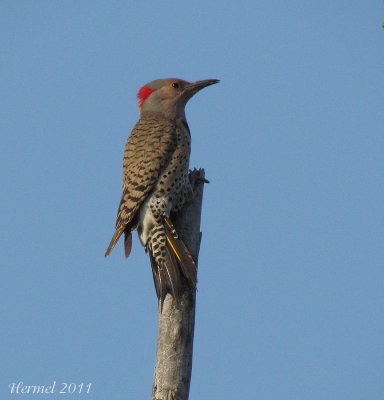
127	241
171	262
184	257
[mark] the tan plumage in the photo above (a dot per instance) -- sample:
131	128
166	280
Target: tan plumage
155	182
148	150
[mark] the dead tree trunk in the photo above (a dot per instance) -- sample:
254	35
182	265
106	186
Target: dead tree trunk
176	325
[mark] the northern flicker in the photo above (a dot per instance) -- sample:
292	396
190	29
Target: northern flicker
155	181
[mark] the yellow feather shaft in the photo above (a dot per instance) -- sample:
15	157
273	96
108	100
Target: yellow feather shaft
173	248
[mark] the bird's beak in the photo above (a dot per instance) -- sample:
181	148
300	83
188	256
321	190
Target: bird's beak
194	87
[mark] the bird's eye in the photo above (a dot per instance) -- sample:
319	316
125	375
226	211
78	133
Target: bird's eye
175	85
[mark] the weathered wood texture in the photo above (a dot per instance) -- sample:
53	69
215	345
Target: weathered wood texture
176	324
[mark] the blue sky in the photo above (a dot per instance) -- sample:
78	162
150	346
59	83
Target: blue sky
291	281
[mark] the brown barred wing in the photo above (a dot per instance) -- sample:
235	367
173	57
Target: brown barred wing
148	151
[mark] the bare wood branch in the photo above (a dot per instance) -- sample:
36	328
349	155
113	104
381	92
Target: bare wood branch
176	324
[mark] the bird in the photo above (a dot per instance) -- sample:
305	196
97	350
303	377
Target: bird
156	182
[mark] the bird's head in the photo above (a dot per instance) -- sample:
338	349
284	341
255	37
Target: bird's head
169	96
